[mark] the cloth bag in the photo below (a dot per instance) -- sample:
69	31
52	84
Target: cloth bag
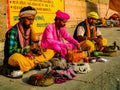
41	79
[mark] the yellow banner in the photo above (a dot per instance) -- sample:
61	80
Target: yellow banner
45	11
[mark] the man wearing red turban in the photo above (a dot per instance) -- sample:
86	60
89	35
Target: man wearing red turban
54	34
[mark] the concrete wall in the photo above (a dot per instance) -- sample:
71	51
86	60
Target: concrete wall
77	11
76	8
3	24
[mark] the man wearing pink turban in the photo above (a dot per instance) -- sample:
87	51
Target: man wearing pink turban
54	34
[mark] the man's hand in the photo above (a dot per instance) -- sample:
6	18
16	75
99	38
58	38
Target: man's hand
79	47
97	40
25	49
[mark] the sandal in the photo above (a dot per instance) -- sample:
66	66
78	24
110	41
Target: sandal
81	68
16	74
92	60
99	59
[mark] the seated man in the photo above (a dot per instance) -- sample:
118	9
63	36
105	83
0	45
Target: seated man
88	35
54	34
115	19
19	42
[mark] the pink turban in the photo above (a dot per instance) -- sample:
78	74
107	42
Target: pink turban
62	15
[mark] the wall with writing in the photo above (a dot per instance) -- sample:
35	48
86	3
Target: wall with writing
45	11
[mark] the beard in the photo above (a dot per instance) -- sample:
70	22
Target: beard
93	24
26	26
62	26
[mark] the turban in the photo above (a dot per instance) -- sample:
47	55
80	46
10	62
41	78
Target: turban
62	15
93	15
27	13
114	16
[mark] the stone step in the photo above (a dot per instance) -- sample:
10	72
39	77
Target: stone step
1	46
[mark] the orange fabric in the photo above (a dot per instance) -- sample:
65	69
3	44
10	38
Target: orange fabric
76	56
87	45
25	63
88	30
19	60
114	5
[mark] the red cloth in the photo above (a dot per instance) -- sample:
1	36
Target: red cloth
24	37
114	16
114	5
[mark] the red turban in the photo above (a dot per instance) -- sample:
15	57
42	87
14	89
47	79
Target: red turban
62	15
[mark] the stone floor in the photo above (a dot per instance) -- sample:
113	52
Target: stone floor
104	76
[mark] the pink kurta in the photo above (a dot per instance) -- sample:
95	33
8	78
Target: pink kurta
52	39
